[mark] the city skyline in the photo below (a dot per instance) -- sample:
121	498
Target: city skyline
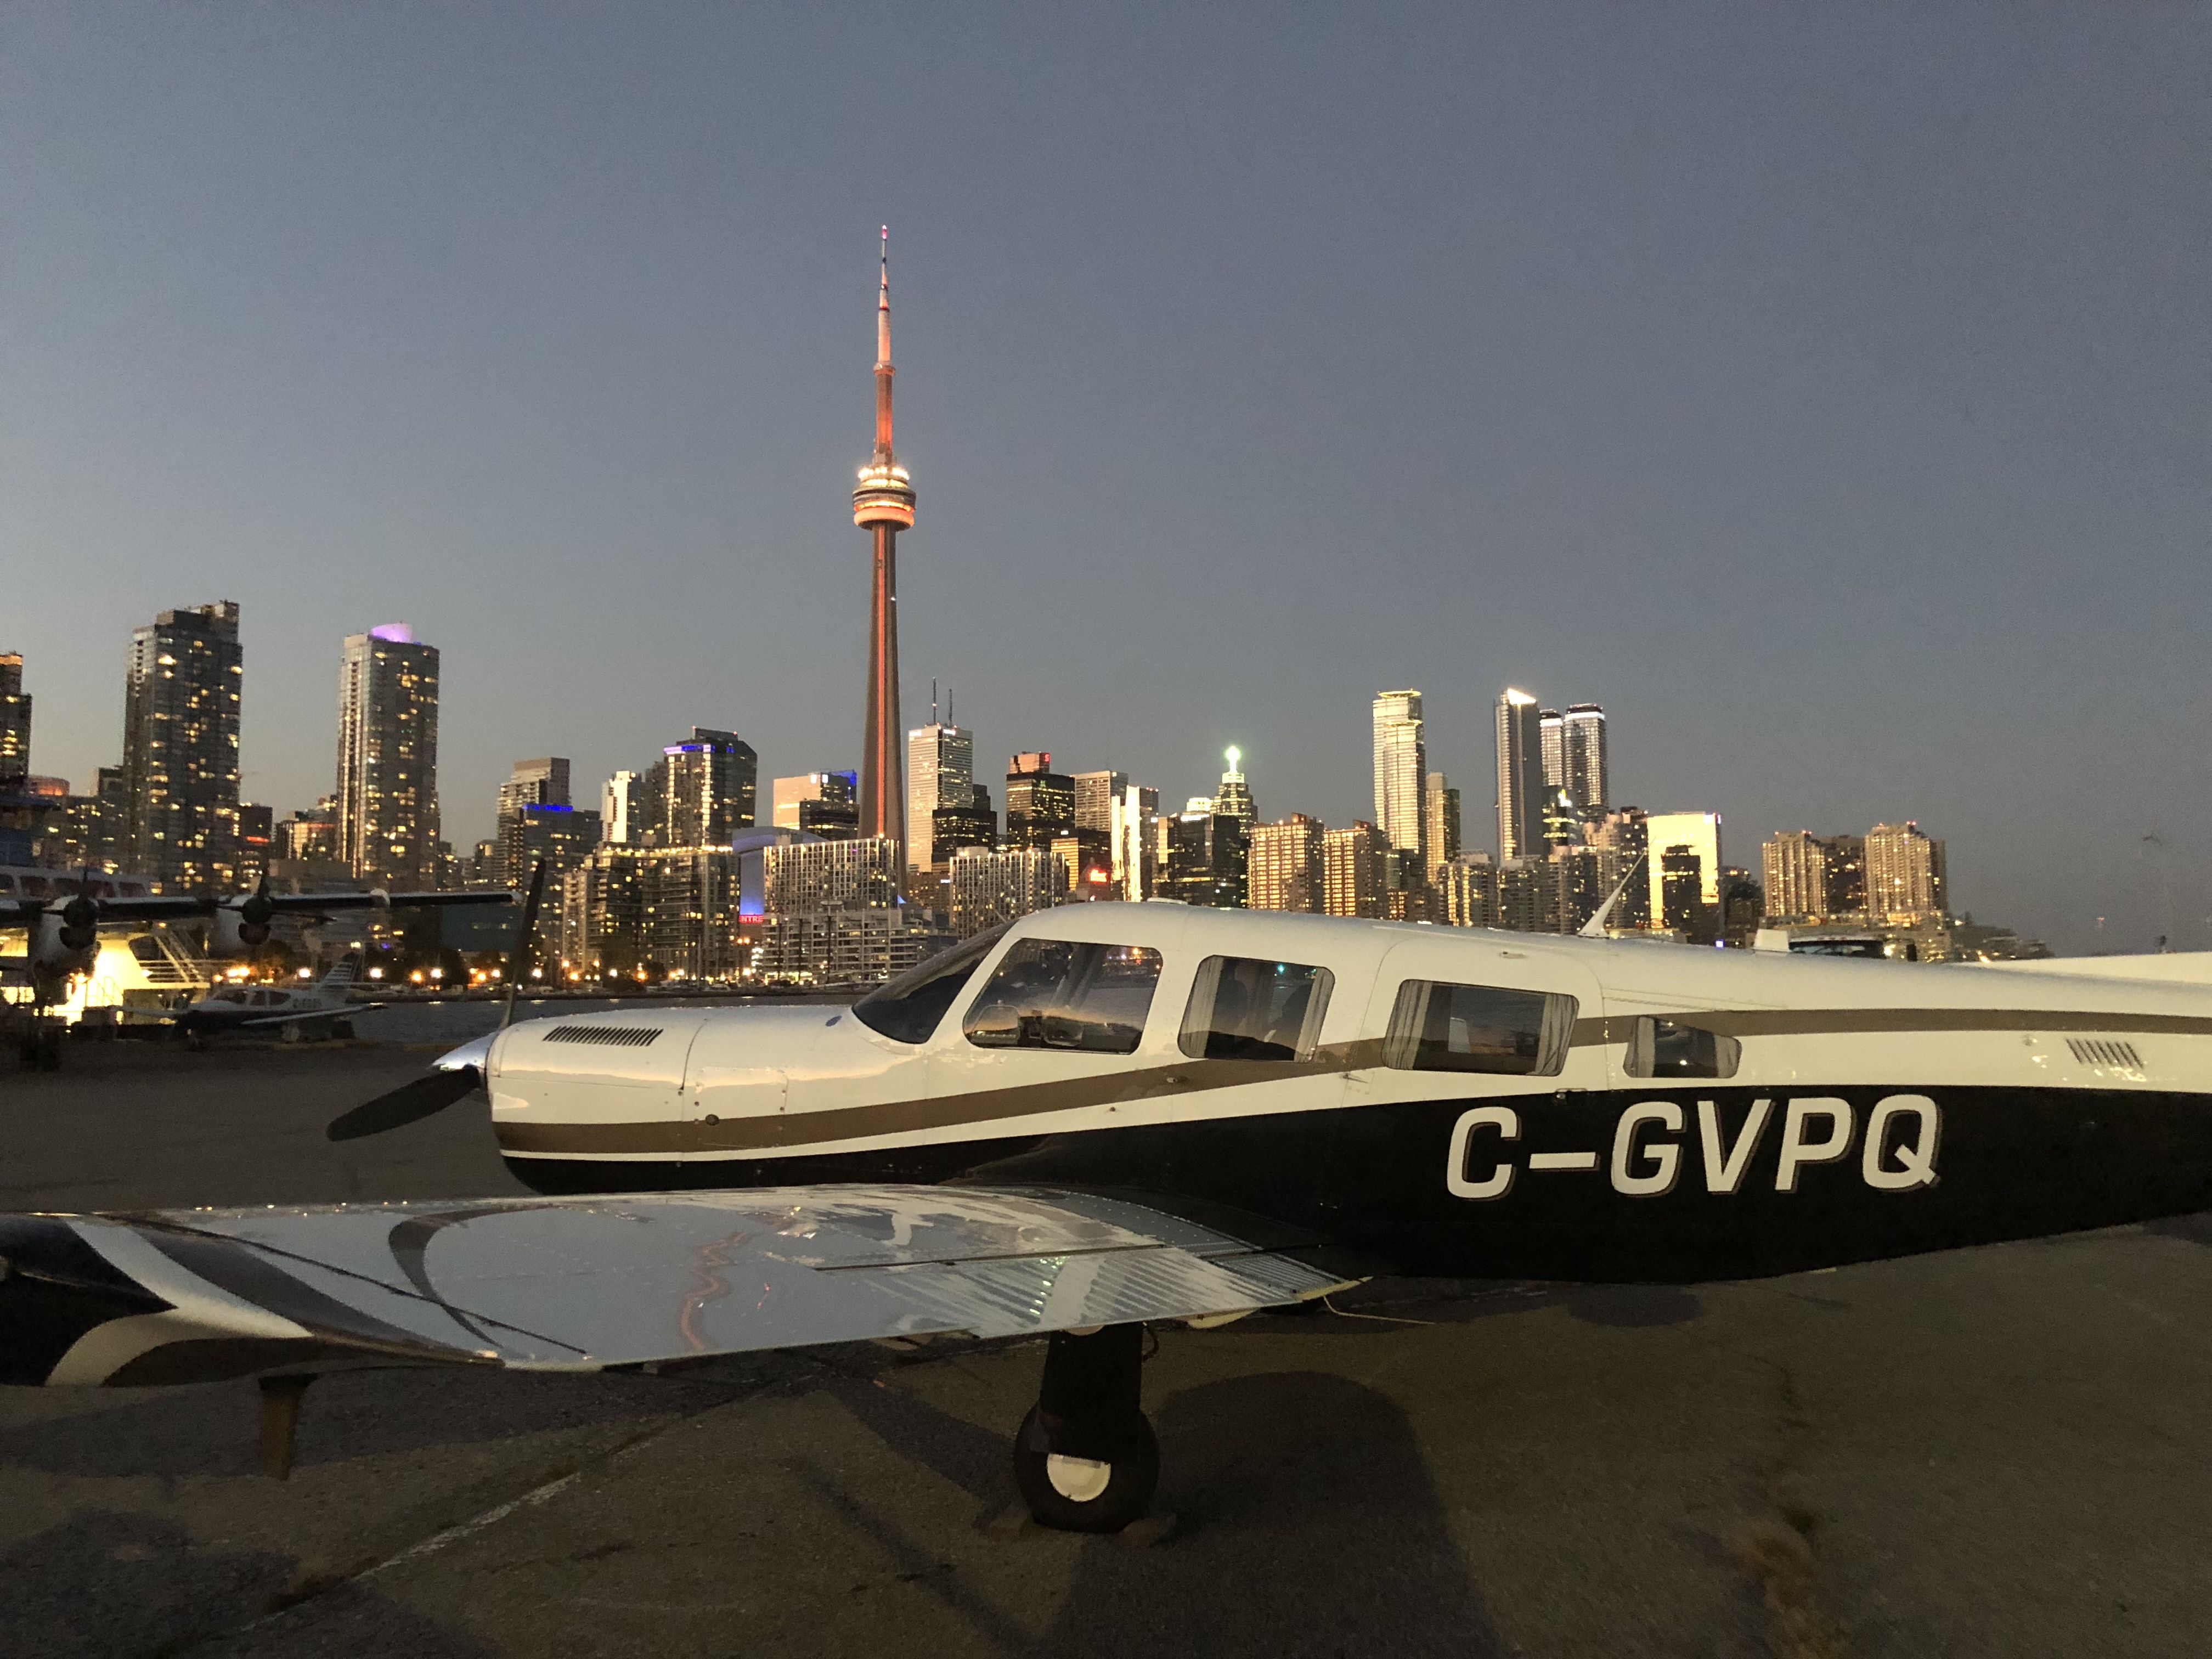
1536	322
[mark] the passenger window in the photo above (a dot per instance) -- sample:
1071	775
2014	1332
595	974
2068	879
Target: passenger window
1478	1028
907	1009
1056	994
1242	1008
1661	1047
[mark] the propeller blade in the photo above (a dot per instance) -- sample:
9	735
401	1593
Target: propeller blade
410	1102
519	959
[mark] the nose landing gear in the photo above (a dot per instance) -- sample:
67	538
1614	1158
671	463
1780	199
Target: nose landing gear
1086	1459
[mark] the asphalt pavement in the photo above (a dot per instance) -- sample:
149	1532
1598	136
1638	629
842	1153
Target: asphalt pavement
2002	1451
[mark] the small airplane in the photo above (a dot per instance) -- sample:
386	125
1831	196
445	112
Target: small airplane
294	1011
1105	1114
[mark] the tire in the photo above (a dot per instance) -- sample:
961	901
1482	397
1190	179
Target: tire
1084	1494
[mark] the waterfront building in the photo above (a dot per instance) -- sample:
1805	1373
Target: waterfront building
1467	890
1796	866
862	874
1355	881
1520	777
15	718
1698	833
555	834
843	947
882	505
988	888
940	772
386	797
90	833
1284	865
1401	769
180	747
1040	802
1442	837
1905	874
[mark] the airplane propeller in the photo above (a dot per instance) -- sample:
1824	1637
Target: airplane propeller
454	1076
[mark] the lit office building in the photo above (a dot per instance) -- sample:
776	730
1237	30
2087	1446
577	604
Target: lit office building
1040	802
1205	861
541	782
387	782
1697	834
709	788
1355	876
1401	769
1520	777
831	875
1134	829
1467	888
15	718
1905	874
1095	794
180	747
558	835
1563	823
1284	865
1087	864
844	947
1552	742
1234	798
1796	866
940	772
1442	837
988	888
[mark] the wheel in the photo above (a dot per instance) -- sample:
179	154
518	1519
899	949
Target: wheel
1087	1494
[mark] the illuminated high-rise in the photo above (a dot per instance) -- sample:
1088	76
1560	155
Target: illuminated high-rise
1284	868
15	718
1401	771
882	505
1682	846
940	772
1520	777
181	746
1905	874
387	782
1234	799
1443	836
1583	764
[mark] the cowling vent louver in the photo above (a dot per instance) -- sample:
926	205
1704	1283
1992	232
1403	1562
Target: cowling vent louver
619	1036
2100	1051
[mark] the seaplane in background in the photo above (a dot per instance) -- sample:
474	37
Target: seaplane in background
1107	1114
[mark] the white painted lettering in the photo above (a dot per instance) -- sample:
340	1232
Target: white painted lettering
1665	1156
1724	1170
1499	1180
1798	1150
1917	1162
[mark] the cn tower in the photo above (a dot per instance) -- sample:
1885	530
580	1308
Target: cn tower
883	504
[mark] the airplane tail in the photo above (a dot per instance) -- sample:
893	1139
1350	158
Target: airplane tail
341	974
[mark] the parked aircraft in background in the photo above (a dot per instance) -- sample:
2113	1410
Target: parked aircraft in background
1104	1114
293	1013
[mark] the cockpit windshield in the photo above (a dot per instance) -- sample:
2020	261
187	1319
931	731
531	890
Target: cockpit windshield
907	1009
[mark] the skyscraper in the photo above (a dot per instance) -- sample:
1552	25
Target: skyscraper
1234	799
1583	758
1401	768
180	746
882	505
1796	866
1520	777
15	718
539	787
1443	827
624	812
1285	865
1355	877
1040	802
834	796
1096	793
1552	726
387	783
940	771
1672	839
711	784
1135	833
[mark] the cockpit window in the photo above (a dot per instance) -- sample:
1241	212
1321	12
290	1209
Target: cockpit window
1244	1009
1479	1028
1057	993
907	1009
1661	1047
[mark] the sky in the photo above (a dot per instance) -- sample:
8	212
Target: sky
1824	391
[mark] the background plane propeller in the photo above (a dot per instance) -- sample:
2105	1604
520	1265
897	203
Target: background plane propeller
440	1087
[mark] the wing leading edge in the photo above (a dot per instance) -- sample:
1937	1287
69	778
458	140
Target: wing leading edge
583	1284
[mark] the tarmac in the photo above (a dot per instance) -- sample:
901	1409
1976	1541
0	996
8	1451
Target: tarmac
2000	1451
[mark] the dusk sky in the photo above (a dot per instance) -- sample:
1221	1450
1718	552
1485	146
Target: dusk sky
1822	390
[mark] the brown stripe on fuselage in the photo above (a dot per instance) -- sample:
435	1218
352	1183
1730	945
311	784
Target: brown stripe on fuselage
777	1130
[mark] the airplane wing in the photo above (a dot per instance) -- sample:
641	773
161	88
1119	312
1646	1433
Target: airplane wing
346	1011
583	1284
293	903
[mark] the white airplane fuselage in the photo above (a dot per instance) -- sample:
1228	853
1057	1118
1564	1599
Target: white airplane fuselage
1460	1102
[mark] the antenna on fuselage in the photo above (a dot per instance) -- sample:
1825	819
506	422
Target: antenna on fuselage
1595	927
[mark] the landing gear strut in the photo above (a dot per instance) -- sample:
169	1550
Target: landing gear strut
1085	1459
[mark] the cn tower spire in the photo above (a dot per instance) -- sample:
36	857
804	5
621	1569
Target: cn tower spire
882	505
